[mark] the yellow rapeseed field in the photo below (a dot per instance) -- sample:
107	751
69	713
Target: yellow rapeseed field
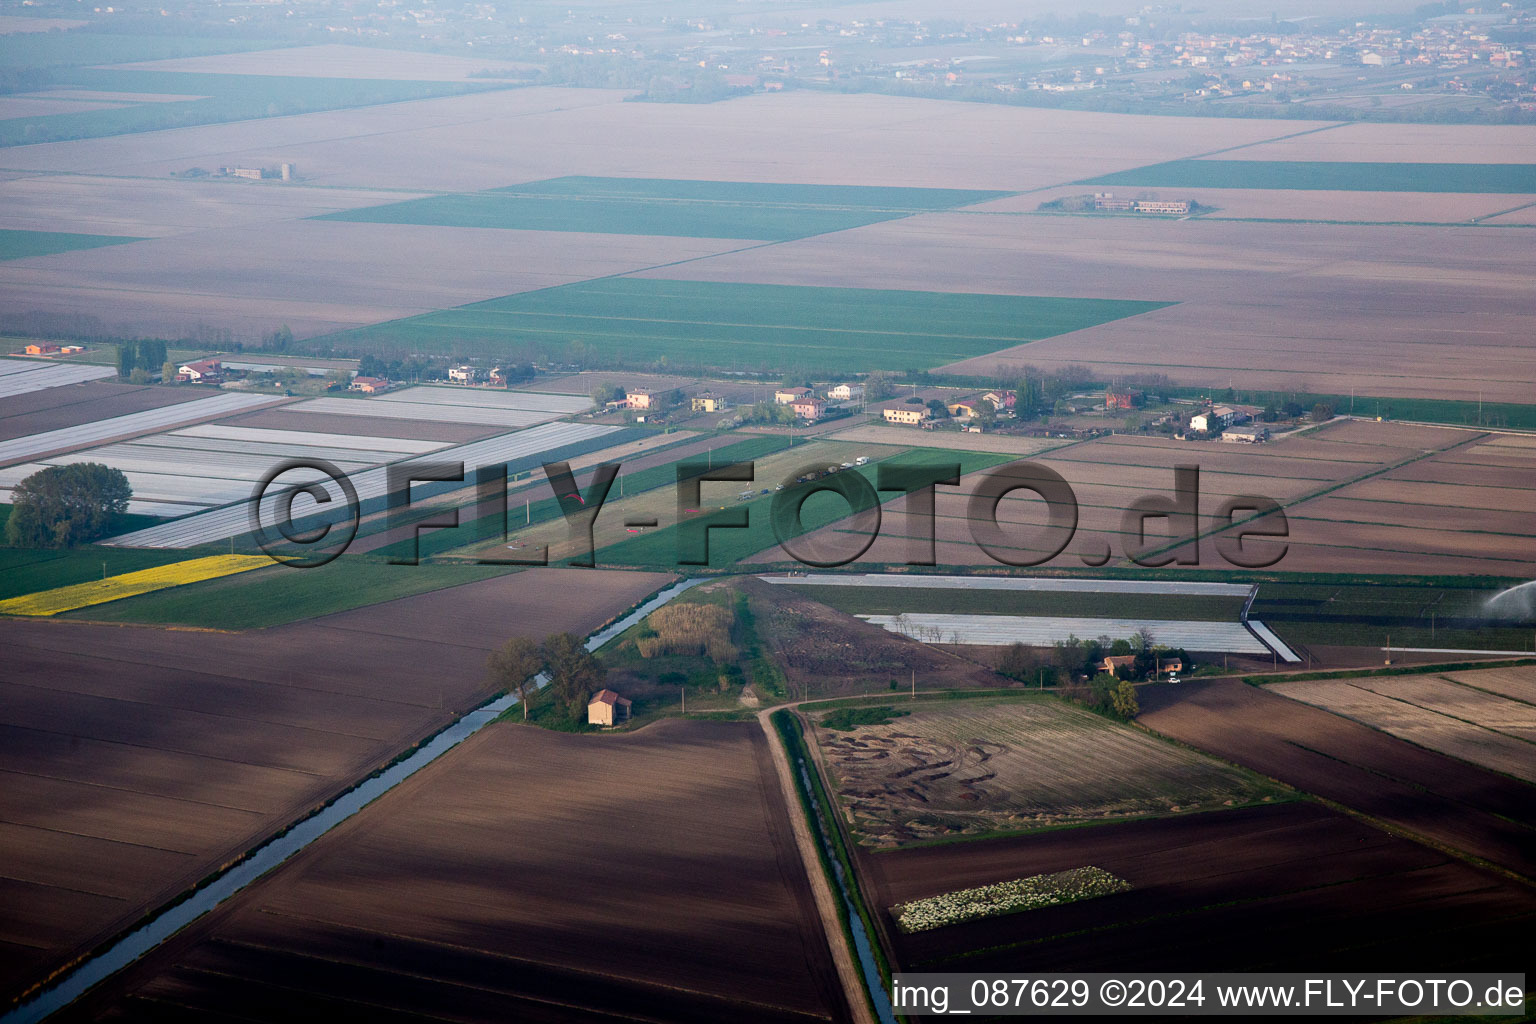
130	584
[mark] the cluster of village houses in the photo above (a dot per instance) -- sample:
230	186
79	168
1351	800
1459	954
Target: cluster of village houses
809	406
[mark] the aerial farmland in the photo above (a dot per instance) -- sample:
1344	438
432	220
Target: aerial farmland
624	512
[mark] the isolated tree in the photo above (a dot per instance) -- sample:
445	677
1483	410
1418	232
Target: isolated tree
573	672
139	376
62	506
878	387
1322	412
1123	700
280	340
605	393
167	371
1027	395
514	665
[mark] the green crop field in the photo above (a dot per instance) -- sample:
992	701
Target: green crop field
29	570
18	245
271	597
465	539
211	99
659	550
1452	617
85	47
697	324
653	206
905	600
1317	174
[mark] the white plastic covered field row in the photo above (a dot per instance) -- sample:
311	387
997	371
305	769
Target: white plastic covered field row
919	582
267	435
1044	631
18	378
1275	643
234	519
131	424
528	401
427	411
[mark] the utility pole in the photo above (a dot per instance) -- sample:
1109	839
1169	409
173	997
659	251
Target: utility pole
684	691
914	684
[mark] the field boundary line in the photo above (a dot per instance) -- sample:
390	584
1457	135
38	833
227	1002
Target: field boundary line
1500	213
1265	142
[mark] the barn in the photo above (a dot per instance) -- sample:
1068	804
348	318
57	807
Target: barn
607	708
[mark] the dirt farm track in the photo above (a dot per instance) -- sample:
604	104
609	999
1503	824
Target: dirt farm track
133	761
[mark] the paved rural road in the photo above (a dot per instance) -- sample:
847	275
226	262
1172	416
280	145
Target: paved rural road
826	900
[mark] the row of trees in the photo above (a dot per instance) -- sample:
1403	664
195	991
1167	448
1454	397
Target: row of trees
144	354
574	673
1075	667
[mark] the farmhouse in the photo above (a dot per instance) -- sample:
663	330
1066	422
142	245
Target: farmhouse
464	374
368	385
789	396
809	408
44	349
1118	663
1124	398
607	708
846	392
1218	418
1007	400
204	370
709	402
908	416
966	408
